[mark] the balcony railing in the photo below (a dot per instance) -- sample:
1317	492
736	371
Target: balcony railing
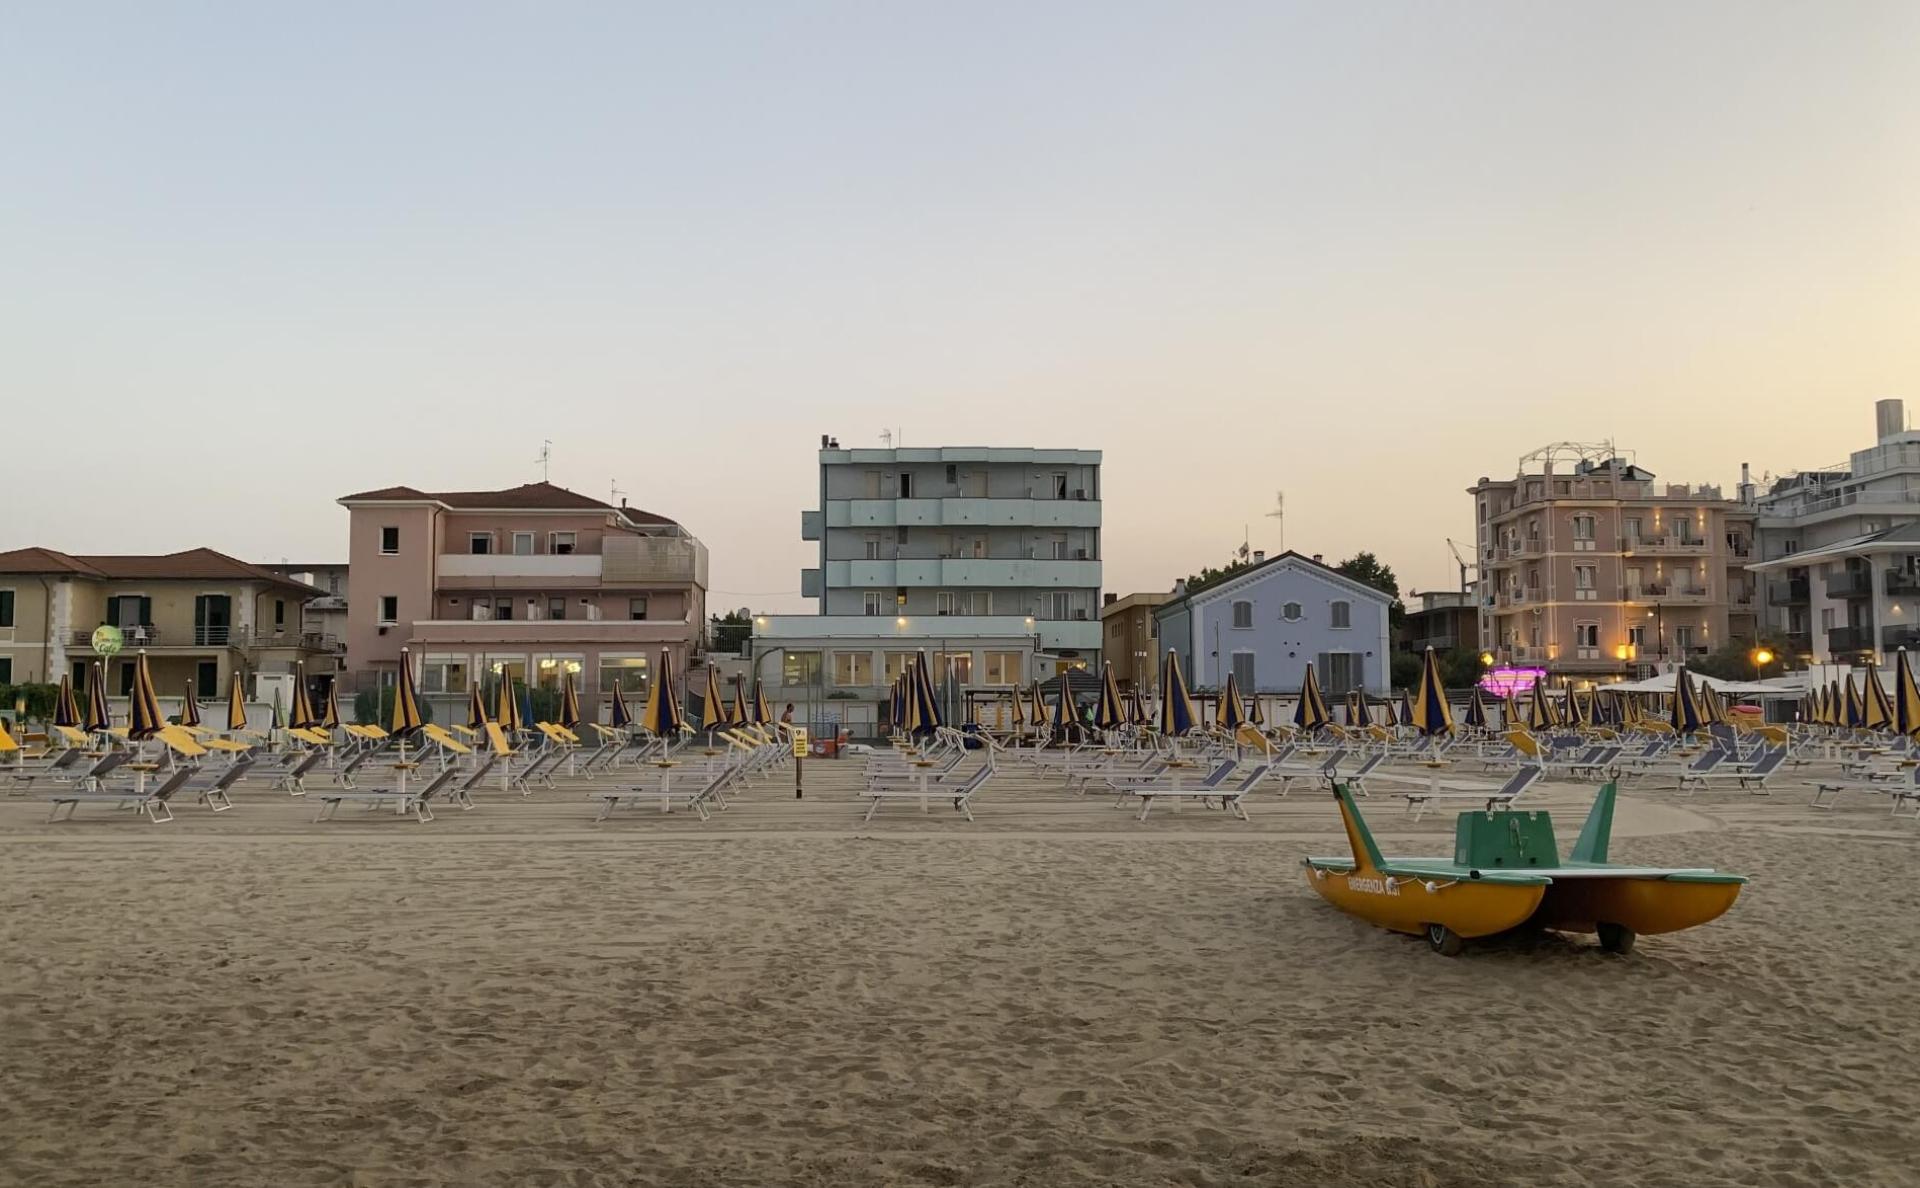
1665	592
1852	583
1663	544
306	641
1786	593
1850	639
1800	642
1892	639
1902	582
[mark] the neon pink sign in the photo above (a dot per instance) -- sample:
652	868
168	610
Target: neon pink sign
1505	680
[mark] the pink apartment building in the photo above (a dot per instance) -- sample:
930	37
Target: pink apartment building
1592	569
528	583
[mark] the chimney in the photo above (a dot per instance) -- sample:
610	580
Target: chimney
1259	555
1890	417
1319	560
823	441
1180	588
1110	599
1746	484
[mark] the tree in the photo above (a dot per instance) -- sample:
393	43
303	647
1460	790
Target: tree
1734	661
1211	576
730	632
373	707
1365	568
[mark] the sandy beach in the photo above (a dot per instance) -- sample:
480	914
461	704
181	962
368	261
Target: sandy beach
1052	995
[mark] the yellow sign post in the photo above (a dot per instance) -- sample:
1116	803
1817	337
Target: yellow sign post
799	756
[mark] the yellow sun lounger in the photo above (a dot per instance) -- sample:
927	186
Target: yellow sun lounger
498	739
180	741
446	740
225	744
469	731
315	737
7	744
75	738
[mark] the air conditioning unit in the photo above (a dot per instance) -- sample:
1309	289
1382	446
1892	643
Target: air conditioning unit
1080	493
1080	614
1080	554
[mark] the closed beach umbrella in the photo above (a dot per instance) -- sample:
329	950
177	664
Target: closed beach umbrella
1137	714
930	702
1406	707
301	716
1256	711
1230	716
1539	712
1685	714
1066	715
99	715
1476	711
1176	708
66	710
477	719
1109	714
406	701
507	707
738	714
1906	696
1041	718
1577	715
1877	711
1310	712
618	716
1019	718
1836	705
1359	709
236	705
713	707
911	718
1856	710
569	701
189	708
1431	713
762	712
143	710
663	716
1387	715
330	710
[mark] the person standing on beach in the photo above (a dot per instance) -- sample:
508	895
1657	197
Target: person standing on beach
786	715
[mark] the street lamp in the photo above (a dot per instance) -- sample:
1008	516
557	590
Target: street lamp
1761	657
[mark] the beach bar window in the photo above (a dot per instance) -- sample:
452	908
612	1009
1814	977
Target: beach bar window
853	668
896	664
800	668
1003	668
625	673
957	666
443	674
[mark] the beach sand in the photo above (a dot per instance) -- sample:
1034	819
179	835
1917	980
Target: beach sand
1049	996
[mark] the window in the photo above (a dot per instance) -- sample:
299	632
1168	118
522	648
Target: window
1583	577
523	544
1242	614
1826	618
1338	672
389	608
625	673
906	485
1059	605
560	543
1637	636
953	475
6	608
1340	614
1291	612
1683	638
853	668
479	544
1059	484
957	665
946	602
556	608
1583	527
896	664
279	612
6	670
389	541
873	546
637	608
1586	635
481	610
1630	528
900	599
1002	668
1243	671
503	609
982	602
873	602
800	668
900	535
444	674
1060	548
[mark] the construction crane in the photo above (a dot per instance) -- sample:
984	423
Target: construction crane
1462	561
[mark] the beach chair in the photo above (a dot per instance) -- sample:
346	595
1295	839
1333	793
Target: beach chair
462	791
1753	778
151	804
214	795
957	793
1228	796
1522	778
687	795
416	801
1357	780
293	780
1326	769
1208	784
538	770
1827	795
62	766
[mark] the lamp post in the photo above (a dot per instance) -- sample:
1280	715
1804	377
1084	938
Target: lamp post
1761	657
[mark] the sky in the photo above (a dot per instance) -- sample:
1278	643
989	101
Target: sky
259	256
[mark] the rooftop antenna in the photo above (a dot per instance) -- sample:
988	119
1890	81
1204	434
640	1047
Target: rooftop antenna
1279	513
545	458
886	438
614	492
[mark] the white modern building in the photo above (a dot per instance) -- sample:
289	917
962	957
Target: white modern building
962	532
1840	549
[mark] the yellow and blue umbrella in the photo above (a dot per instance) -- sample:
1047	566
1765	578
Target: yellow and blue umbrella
618	716
662	716
1539	711
738	714
1019	700
301	715
1176	708
1836	705
66	710
1684	716
1041	717
236	705
1406	708
713	707
143	711
1310	713
1387	715
1230	714
932	715
1476	711
1137	714
507	707
99	713
1066	714
1877	711
1256	712
1109	714
189	708
477	719
1856	709
1906	696
1359	709
762	712
569	701
406	701
1430	712
330	715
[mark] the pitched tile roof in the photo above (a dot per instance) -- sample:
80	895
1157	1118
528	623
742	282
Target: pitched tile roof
189	565
530	496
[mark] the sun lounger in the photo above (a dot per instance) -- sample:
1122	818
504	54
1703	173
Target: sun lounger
1309	768
214	795
687	795
1496	798
293	780
1753	778
65	765
151	804
1228	796
1827	795
462	791
958	793
415	801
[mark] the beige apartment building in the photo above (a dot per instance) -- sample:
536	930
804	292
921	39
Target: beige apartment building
1591	568
526	583
199	615
1128	638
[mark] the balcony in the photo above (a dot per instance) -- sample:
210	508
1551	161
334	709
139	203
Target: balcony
1663	545
1789	592
1849	639
305	641
963	573
148	636
1902	582
1892	639
1800	642
1666	594
810	525
624	561
600	633
1851	583
960	512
